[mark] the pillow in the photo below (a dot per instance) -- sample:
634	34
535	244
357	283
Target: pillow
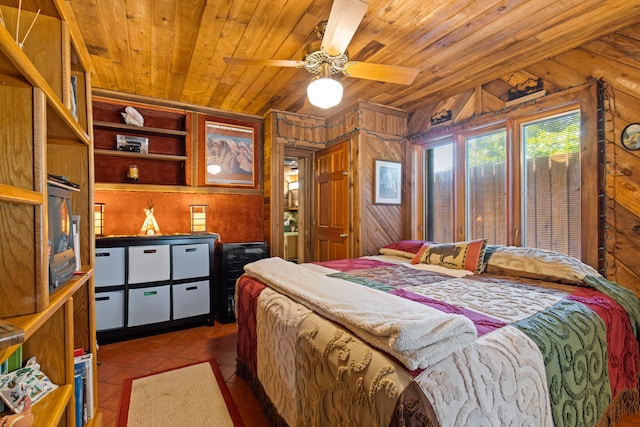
402	248
534	263
459	255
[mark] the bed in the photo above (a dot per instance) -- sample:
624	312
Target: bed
425	334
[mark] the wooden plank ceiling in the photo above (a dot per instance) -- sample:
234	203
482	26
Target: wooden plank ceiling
174	49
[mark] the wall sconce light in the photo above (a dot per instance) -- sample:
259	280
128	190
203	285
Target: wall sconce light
198	218
98	218
323	91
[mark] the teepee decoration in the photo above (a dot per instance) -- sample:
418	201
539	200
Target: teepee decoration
150	226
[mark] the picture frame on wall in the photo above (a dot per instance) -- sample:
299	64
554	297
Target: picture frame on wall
630	137
230	154
388	182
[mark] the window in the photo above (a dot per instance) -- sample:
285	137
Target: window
485	189
519	184
439	162
551	176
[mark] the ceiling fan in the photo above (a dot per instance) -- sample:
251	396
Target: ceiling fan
331	57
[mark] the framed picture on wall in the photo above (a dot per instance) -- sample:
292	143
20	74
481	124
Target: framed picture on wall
230	154
388	179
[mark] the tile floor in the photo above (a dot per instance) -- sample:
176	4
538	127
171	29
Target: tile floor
142	356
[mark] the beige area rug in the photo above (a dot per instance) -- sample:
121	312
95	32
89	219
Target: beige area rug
190	396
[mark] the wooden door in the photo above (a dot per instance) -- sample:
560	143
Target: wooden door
332	208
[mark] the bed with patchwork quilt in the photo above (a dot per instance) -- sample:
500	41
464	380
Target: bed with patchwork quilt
439	335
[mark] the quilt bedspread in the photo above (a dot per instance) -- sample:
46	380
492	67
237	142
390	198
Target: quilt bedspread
545	354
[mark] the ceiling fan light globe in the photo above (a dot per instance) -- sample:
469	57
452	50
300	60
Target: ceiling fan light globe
324	92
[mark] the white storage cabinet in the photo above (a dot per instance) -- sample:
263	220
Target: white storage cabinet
145	284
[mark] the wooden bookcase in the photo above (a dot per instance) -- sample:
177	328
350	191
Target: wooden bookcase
46	128
166	129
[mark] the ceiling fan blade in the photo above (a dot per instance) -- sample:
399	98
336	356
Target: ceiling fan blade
344	19
264	62
380	72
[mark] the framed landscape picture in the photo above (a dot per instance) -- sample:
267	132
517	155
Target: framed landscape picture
230	154
388	179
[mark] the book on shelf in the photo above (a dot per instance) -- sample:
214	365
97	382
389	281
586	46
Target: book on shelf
78	390
28	381
83	366
75	221
74	97
10	364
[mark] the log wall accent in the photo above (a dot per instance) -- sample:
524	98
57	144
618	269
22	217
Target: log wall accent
613	60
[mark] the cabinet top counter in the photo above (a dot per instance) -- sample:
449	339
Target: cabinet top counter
102	241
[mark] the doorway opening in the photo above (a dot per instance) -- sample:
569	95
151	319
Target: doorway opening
291	205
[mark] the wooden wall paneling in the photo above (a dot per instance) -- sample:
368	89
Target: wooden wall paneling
380	224
621	76
358	175
626	112
415	189
272	225
621	274
626	181
466	107
299	131
493	96
462	106
556	76
591	182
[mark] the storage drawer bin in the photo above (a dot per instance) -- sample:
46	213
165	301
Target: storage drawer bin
149	305
149	263
190	261
191	299
109	269
109	310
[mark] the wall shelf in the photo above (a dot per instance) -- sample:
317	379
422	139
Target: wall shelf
167	161
116	153
138	129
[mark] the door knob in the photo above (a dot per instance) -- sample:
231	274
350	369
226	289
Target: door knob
344	235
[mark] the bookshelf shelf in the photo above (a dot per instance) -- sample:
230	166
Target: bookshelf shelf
39	135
